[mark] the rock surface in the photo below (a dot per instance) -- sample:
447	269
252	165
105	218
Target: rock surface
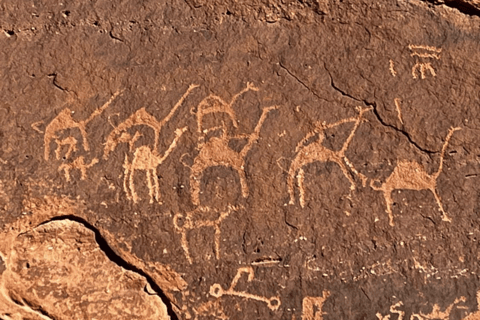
59	271
258	159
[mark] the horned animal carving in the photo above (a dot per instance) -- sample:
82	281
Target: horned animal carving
147	160
412	176
216	152
316	151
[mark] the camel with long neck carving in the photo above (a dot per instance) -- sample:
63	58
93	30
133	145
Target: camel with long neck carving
316	151
411	175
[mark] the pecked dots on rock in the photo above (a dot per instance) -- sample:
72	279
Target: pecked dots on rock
58	270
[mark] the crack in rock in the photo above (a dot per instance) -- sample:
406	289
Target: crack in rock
464	6
300	81
115	258
59	240
377	115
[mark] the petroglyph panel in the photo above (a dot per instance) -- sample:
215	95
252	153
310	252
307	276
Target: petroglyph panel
194	159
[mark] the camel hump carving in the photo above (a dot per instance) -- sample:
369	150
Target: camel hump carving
216	152
411	175
146	159
316	151
64	121
141	117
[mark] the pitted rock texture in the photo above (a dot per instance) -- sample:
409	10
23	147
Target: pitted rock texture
258	159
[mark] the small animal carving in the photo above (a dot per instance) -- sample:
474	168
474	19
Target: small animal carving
78	163
191	222
412	176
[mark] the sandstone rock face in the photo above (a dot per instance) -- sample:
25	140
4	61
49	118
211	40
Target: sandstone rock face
58	270
258	159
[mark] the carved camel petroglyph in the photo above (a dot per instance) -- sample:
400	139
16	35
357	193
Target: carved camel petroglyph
316	151
141	117
412	176
215	104
216	152
64	121
147	160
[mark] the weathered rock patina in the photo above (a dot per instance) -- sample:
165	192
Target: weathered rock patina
240	160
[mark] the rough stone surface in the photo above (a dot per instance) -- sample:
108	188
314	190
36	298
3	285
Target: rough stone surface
257	159
58	270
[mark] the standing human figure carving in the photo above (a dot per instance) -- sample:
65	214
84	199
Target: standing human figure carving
316	151
216	152
411	175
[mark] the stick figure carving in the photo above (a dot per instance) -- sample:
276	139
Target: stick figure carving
141	117
412	176
190	223
147	160
78	163
216	152
315	151
217	291
64	121
215	104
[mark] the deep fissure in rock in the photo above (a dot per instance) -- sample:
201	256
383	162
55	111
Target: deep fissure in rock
114	257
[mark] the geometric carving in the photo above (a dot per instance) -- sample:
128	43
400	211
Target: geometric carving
217	291
424	52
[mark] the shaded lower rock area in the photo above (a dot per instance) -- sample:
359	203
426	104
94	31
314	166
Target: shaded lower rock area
58	271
